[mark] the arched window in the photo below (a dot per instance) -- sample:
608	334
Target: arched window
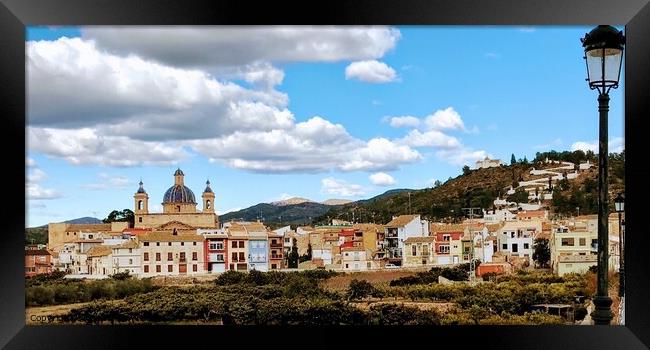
178	208
140	205
208	205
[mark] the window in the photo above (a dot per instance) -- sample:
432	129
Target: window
368	265
219	245
193	243
234	244
157	256
208	204
178	208
182	243
583	241
182	256
446	237
130	250
170	268
139	218
170	256
157	268
146	268
526	246
515	247
274	266
241	256
139	205
195	256
146	244
195	268
346	266
146	256
219	257
212	245
234	257
169	244
568	242
130	261
414	250
90	236
444	249
241	244
157	244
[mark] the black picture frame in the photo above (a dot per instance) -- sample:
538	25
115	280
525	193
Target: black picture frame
15	15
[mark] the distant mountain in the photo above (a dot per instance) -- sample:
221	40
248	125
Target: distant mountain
336	201
299	213
84	220
291	201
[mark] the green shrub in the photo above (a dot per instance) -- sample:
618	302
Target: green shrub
359	289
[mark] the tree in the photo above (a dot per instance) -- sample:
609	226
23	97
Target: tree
525	160
520	196
541	252
309	251
513	160
359	289
466	170
293	255
121	216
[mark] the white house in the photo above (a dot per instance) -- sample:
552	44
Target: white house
399	229
488	163
516	238
499	215
126	258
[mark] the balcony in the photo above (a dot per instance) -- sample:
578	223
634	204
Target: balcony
182	260
277	245
276	256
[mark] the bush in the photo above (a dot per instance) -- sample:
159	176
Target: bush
121	276
359	289
580	313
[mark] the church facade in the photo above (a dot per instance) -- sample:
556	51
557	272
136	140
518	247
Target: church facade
179	209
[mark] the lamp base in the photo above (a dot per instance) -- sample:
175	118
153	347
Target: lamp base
602	314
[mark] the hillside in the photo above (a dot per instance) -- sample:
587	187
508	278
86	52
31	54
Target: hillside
279	214
479	188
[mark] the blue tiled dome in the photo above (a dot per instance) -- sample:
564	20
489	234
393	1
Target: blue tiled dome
179	172
179	194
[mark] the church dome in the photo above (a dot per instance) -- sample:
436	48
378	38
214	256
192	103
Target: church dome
179	194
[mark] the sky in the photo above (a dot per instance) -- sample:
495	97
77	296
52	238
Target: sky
269	113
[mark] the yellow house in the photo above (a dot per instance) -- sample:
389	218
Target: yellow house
418	251
573	248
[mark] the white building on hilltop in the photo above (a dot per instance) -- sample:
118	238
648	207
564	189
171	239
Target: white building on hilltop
488	163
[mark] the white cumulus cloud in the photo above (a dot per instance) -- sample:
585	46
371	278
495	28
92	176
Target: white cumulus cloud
370	72
209	46
107	181
341	188
404	121
382	179
616	145
445	119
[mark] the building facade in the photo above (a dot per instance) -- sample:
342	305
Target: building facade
169	254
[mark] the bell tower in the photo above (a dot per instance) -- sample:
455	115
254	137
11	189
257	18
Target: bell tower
141	199
208	199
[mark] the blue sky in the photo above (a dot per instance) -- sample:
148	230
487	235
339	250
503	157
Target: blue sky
256	110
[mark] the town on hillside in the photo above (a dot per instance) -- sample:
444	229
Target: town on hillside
186	241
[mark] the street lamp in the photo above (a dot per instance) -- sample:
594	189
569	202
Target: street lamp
619	203
604	56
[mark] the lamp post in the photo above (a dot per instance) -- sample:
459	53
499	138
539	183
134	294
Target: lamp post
619	203
604	55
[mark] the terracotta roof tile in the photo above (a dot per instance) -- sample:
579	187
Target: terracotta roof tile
401	220
429	239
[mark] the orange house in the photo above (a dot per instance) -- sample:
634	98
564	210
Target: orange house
37	261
